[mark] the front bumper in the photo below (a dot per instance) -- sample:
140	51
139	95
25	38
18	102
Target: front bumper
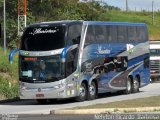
54	90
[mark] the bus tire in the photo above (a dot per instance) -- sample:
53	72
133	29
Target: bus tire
83	93
92	91
128	86
41	101
135	85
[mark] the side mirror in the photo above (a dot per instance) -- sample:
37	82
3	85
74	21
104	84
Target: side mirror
11	55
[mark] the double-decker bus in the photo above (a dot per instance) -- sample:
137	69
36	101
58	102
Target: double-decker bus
80	59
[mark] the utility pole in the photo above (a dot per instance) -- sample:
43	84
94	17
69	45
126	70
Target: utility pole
126	5
152	12
4	14
22	4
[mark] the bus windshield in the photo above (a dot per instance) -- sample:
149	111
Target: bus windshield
41	69
43	38
154	52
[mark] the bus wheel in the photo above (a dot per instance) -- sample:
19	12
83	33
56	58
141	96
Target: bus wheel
92	91
135	85
83	93
41	101
128	86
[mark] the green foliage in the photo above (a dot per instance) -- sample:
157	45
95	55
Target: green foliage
8	76
8	89
53	10
49	10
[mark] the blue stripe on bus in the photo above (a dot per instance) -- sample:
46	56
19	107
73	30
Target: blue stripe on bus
138	59
113	23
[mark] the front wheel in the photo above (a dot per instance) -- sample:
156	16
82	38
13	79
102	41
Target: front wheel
92	91
128	86
135	85
82	93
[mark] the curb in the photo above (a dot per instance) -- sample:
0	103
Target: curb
10	100
105	110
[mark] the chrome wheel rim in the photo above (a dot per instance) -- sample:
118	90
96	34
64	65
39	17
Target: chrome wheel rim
92	90
135	84
82	91
128	85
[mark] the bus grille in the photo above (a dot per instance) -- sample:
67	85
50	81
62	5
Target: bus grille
155	68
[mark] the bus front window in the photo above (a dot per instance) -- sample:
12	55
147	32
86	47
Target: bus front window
43	38
41	69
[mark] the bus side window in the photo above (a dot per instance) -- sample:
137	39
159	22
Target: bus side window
146	63
132	34
100	33
74	34
90	36
112	36
141	34
122	34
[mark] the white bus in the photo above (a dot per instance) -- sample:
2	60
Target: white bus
80	59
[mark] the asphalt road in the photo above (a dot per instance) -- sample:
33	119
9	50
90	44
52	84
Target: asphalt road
126	116
31	106
49	117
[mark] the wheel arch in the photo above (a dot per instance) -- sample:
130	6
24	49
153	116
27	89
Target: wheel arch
86	83
96	82
131	77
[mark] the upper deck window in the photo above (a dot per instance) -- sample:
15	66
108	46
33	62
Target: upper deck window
112	36
74	33
142	34
132	34
43	38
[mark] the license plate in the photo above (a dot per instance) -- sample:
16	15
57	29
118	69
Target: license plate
40	95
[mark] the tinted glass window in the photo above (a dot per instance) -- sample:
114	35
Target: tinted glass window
43	38
45	69
122	34
74	33
132	34
141	34
146	63
100	34
90	35
112	34
154	52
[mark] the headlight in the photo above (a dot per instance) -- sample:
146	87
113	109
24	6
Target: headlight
61	85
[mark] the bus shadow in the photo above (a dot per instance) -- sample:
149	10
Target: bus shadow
57	101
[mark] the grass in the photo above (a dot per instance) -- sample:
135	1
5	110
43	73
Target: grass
141	102
8	76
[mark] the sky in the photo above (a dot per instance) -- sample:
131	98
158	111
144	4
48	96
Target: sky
135	4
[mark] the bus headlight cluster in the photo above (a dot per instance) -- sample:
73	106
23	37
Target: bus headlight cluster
61	85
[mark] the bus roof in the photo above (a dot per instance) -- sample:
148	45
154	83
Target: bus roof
113	23
68	22
50	23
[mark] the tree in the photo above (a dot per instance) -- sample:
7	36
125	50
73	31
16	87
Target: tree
49	10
